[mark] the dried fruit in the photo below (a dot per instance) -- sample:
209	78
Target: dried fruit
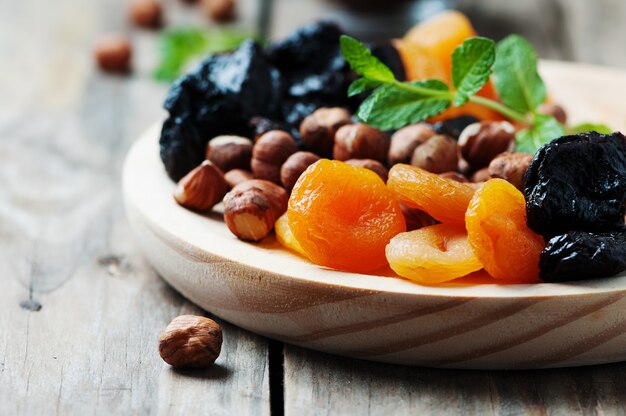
343	216
191	342
444	199
577	183
497	231
453	127
201	188
433	254
580	255
285	236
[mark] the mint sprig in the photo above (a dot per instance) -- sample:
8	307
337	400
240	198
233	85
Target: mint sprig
394	104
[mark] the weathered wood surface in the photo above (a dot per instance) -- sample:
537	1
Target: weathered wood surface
65	247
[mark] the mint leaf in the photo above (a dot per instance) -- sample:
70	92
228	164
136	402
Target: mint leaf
587	127
545	129
361	85
363	62
471	67
515	75
393	106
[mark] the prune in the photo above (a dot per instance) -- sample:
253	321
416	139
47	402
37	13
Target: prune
454	126
579	255
577	183
219	97
390	56
261	125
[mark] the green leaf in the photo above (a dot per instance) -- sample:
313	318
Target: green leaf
515	75
471	67
363	62
179	46
361	85
545	129
587	127
393	106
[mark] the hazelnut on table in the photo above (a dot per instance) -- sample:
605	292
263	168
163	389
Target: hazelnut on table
146	13
230	152
319	128
113	53
201	188
360	141
270	152
191	341
373	165
294	166
405	140
481	142
438	154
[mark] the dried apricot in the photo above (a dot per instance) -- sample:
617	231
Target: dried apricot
497	230
434	254
343	216
419	63
284	235
444	199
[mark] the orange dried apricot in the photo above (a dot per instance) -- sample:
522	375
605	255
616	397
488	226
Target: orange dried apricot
444	199
434	254
343	216
419	64
497	230
284	235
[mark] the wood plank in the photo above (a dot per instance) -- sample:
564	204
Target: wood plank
64	241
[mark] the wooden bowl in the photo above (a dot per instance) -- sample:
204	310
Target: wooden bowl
466	324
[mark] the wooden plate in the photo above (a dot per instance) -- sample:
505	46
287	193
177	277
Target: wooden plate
270	291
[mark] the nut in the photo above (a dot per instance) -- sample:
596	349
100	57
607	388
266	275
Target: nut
201	188
113	53
318	129
230	152
191	342
481	142
455	176
146	13
555	110
437	155
415	218
219	10
481	175
371	164
294	166
360	141
511	167
405	140
252	207
270	152
236	176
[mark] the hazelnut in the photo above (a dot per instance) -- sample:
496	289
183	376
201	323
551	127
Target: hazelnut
481	175
219	10
201	188
415	218
146	13
455	176
318	129
373	165
437	155
555	110
405	140
511	167
191	342
481	142
230	152
269	154
294	166
251	208
236	176
113	53
360	141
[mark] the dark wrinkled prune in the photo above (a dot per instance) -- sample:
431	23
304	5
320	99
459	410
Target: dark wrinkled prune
390	56
261	125
219	97
580	255
454	126
577	183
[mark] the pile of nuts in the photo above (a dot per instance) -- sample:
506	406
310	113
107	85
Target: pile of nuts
261	174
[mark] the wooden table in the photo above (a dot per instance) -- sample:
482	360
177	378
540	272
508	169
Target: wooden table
81	310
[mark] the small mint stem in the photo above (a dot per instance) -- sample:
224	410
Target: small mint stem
500	108
424	91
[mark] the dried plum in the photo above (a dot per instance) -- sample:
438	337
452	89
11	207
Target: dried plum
454	126
580	255
390	56
577	183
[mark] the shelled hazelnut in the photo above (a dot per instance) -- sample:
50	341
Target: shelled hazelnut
511	167
270	152
252	207
481	142
438	154
236	176
405	140
294	166
319	128
113	53
230	152
191	342
555	110
201	188
371	164
219	10
146	13
360	141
